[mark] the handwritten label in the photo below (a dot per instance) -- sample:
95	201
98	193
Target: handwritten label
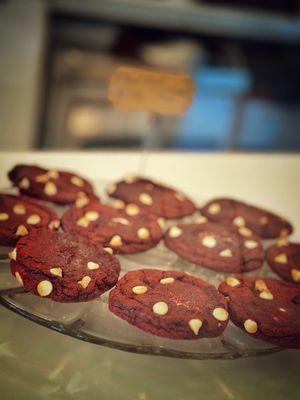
134	89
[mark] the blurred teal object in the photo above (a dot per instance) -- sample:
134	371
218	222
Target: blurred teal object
228	80
226	114
208	123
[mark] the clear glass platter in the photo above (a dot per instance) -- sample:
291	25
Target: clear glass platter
93	322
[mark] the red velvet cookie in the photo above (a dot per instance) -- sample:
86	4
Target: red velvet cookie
284	259
151	197
62	267
169	304
239	215
51	185
20	214
215	246
266	308
113	228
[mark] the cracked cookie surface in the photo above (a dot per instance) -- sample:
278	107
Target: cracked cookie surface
21	214
62	267
265	308
152	197
284	259
240	215
169	304
50	184
215	246
113	228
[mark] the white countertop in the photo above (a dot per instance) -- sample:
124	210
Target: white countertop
268	180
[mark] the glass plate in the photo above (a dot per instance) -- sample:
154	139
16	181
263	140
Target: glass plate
93	322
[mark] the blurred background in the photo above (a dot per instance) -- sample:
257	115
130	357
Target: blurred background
57	57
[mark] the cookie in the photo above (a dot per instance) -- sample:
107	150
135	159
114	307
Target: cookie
215	246
62	267
265	308
57	186
20	214
284	259
169	304
113	228
151	197
239	215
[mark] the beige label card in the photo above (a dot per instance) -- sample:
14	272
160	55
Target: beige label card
135	89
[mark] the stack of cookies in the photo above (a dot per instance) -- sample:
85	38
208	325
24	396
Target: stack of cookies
74	257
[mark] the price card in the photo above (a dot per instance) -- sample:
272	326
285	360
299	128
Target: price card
135	89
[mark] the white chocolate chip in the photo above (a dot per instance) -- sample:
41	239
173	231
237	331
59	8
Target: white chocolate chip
239	221
166	281
21	230
195	324
200	219
175	231
260	285
143	233
245	231
85	281
77	181
111	188
57	271
19	278
116	241
214	208
108	250
82	201
226	253
44	288
91	215
146	199
161	222
122	221
266	295
119	204
130	178
92	265
139	289
209	241
24	183
281	258
4	216
160	308
250	326
53	174
282	309
132	209
250	244
42	178
295	274
231	281
83	222
33	219
19	209
263	220
50	189
13	254
179	196
54	224
220	314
